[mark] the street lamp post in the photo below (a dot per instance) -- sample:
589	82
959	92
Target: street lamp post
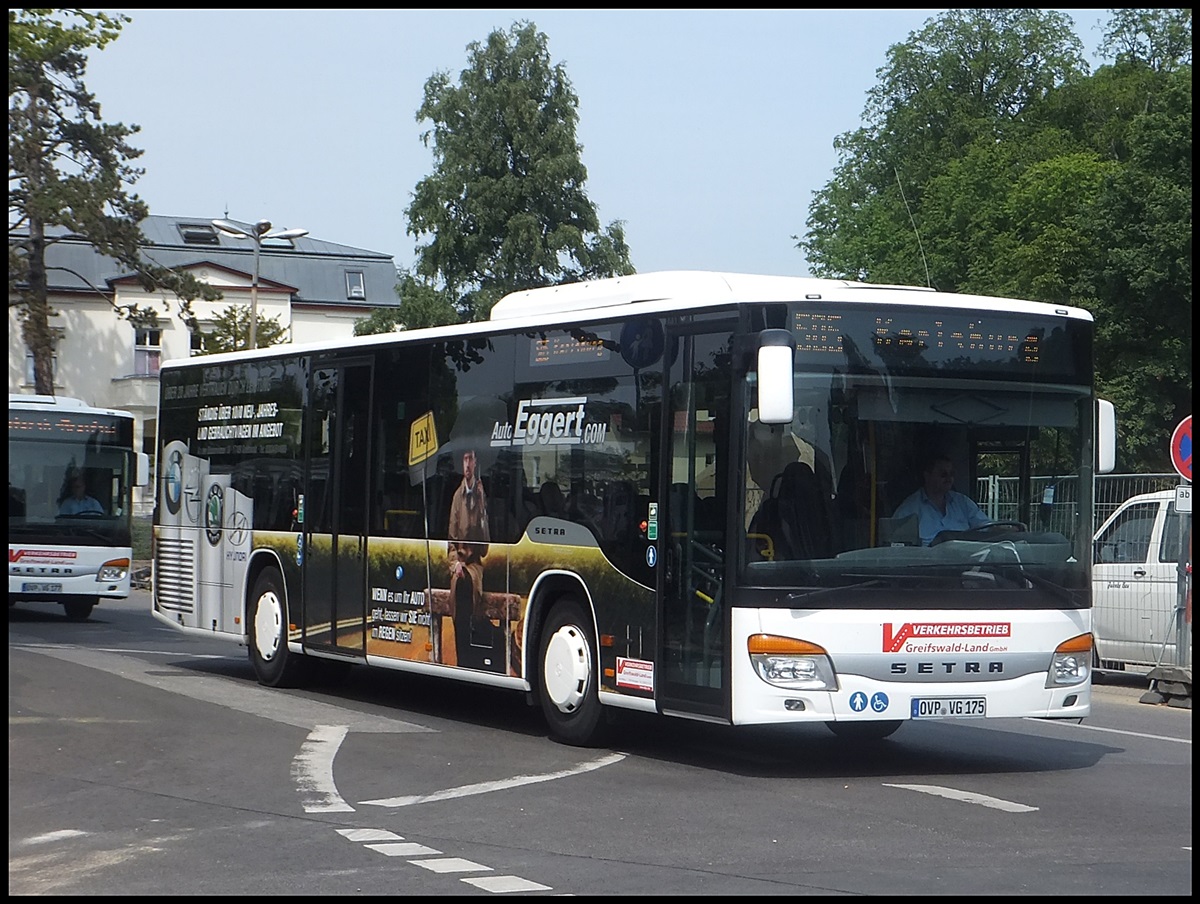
258	233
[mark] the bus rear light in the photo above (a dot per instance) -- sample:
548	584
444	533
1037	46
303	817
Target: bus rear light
791	663
1072	662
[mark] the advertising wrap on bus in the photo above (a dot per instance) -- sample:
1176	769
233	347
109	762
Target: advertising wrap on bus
630	504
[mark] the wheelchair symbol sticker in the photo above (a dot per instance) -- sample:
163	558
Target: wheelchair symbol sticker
879	701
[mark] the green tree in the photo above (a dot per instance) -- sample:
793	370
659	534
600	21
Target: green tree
231	331
67	173
991	162
505	207
963	83
421	305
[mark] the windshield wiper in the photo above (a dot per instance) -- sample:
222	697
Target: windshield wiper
828	591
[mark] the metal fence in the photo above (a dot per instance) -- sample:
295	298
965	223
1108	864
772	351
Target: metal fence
1058	497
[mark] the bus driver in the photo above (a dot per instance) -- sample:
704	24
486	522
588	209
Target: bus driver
938	505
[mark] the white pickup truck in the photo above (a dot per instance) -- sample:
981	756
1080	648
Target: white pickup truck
1135	582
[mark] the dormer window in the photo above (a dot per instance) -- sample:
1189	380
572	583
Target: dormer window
356	287
199	234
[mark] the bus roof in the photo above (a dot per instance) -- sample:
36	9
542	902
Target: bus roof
65	404
700	288
659	292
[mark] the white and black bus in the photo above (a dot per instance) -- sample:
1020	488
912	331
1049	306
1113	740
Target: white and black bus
670	492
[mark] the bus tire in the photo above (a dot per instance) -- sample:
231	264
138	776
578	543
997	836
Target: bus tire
568	676
864	731
274	664
78	610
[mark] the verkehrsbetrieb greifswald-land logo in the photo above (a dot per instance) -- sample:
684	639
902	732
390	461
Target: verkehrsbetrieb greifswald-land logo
214	513
174	481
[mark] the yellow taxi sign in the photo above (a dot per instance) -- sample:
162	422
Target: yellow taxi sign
422	439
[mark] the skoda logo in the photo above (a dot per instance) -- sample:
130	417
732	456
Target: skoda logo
214	510
174	480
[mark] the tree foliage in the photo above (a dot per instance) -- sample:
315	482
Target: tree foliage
992	161
505	207
68	171
231	331
421	305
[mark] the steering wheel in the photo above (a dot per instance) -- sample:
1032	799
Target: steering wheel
983	532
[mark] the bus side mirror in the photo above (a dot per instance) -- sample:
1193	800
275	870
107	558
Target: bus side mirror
775	402
142	473
1106	436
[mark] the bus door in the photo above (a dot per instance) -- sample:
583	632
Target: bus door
693	674
338	447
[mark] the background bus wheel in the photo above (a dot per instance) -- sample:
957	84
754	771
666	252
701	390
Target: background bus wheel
863	731
274	664
567	676
79	610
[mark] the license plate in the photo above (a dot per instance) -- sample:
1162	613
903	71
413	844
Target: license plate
38	587
949	707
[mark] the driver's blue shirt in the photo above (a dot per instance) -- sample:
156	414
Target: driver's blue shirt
961	514
85	506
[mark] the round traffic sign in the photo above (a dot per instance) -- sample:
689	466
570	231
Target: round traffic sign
1181	448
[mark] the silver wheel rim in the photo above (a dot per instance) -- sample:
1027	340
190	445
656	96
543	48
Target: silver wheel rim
268	625
566	669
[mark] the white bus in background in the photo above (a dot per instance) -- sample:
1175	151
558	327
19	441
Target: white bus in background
689	480
60	551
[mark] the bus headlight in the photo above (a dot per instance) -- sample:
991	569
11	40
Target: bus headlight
113	570
1072	662
791	663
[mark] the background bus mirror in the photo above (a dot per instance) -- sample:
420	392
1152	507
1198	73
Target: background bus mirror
142	474
775	403
1106	436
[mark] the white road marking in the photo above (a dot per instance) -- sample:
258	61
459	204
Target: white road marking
969	797
312	770
451	865
501	785
370	835
402	849
1132	734
501	884
53	836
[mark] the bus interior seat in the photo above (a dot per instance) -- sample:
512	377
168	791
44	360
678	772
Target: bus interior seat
553	503
804	513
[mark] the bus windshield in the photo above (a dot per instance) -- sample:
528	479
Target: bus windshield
68	489
839	507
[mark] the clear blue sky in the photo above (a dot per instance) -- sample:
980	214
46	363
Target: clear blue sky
706	132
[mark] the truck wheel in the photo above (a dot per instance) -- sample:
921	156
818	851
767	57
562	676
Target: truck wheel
78	610
274	664
568	677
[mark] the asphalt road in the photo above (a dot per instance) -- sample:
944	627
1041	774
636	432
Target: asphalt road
142	761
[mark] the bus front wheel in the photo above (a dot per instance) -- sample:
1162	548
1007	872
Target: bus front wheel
568	677
864	731
274	664
78	610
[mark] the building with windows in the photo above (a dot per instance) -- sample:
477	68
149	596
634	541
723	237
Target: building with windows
313	288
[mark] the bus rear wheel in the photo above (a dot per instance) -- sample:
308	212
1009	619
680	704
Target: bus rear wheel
568	677
274	664
78	610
